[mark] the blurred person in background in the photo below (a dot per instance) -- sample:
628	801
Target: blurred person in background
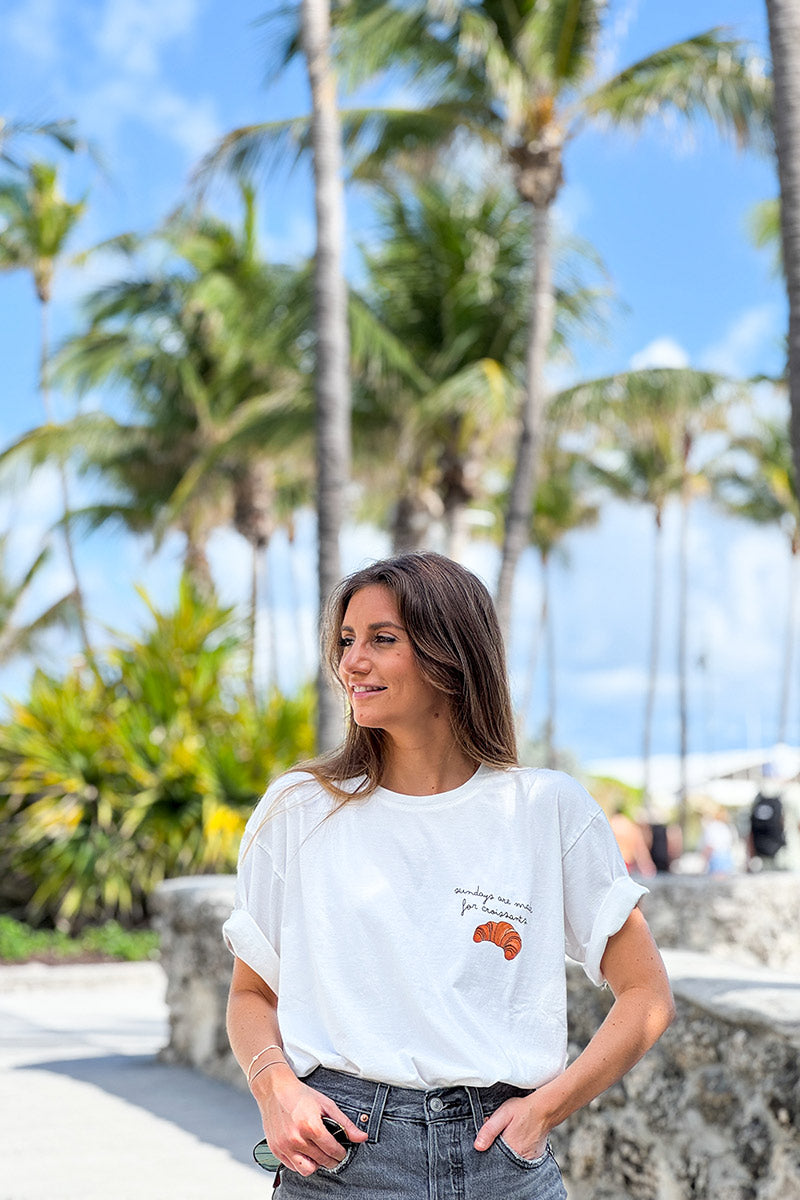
718	842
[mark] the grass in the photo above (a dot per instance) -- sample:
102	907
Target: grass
100	943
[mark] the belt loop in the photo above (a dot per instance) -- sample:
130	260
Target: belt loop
476	1105
376	1115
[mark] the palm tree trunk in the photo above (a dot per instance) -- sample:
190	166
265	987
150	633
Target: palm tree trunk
44	389
523	484
332	348
271	610
550	642
788	652
655	638
683	717
196	564
252	622
784	37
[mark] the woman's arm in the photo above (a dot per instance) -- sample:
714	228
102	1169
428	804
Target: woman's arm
643	1008
291	1111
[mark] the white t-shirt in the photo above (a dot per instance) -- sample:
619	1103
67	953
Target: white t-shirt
374	927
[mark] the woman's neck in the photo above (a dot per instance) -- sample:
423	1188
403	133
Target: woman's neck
426	770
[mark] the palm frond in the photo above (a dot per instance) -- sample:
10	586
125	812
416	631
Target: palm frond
253	150
378	355
708	75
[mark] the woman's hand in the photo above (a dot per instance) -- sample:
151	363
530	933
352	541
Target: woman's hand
292	1114
521	1124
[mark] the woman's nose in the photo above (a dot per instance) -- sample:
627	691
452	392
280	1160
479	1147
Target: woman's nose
353	658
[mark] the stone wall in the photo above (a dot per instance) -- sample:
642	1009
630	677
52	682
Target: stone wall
189	914
711	1113
750	918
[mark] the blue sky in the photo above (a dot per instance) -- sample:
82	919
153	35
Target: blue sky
154	84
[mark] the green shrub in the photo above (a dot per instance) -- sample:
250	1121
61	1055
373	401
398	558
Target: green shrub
20	943
109	785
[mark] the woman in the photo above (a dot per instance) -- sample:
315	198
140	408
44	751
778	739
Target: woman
403	908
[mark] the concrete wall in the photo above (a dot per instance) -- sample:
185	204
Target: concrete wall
712	1113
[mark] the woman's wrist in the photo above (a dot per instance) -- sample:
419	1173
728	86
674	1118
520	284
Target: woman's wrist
266	1083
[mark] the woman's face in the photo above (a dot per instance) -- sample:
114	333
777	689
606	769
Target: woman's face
378	667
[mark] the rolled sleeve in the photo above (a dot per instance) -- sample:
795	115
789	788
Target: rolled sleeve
599	895
618	904
253	930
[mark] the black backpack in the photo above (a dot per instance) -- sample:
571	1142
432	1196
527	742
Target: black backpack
766	825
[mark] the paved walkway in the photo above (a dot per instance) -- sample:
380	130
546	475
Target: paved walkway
88	1111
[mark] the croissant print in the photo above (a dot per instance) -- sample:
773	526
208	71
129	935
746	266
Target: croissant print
502	934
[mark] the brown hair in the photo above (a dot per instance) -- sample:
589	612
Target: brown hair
451	623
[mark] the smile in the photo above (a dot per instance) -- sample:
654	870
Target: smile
363	690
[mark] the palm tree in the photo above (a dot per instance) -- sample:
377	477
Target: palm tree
207	351
761	487
12	132
784	36
19	636
562	504
447	284
37	222
650	426
522	77
443	283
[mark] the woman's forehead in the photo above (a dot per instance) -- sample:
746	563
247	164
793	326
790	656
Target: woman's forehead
371	604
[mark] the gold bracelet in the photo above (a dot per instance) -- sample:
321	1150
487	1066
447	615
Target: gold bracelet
276	1062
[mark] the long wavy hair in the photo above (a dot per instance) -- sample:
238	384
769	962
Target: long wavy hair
451	623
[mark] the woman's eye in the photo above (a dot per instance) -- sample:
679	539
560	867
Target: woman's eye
385	639
345	641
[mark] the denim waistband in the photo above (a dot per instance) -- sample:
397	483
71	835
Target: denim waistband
375	1100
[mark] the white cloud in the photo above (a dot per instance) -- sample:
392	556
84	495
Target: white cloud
662	352
749	340
189	122
131	33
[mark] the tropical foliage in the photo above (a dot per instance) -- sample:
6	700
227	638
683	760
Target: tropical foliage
111	784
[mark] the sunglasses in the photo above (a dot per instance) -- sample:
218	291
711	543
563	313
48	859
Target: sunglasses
266	1159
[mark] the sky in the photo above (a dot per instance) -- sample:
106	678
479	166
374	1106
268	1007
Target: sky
153	85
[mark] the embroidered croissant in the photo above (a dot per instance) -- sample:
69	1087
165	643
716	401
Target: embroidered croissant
502	934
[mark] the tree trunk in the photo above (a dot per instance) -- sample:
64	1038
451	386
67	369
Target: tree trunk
655	638
683	715
252	622
196	564
523	484
784	37
44	388
788	651
550	643
332	346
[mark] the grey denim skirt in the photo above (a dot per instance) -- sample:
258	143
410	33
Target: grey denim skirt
420	1147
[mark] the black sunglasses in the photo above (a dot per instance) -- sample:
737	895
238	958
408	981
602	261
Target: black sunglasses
266	1159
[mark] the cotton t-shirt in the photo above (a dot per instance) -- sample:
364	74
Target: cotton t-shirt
420	940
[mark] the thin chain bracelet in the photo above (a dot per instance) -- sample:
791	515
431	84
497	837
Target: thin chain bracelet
256	1057
276	1062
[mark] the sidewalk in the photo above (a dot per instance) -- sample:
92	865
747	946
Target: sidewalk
88	1113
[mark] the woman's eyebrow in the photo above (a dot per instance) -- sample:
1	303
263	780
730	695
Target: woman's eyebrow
375	625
